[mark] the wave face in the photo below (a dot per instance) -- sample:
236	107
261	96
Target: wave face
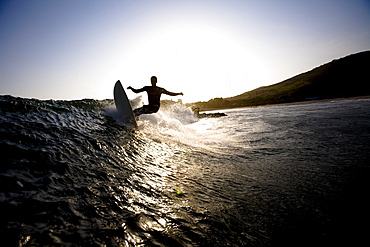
73	174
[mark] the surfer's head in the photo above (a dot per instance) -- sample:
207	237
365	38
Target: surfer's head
153	79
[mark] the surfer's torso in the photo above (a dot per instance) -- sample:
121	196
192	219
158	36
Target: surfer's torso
154	94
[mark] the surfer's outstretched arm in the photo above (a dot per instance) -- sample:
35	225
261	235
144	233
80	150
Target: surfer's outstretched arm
136	90
171	93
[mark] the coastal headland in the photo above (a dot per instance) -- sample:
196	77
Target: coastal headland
340	79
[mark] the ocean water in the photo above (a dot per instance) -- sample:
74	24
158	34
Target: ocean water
72	174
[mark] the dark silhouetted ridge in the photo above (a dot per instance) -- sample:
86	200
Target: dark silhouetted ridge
345	77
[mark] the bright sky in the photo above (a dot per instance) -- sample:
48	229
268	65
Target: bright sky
74	49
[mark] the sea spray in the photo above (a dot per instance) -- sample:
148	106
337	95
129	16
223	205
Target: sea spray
170	122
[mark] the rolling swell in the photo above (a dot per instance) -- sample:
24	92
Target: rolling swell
71	175
52	158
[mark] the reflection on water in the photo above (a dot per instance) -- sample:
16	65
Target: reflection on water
156	194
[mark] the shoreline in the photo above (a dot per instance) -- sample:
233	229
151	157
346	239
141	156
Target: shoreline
316	101
295	103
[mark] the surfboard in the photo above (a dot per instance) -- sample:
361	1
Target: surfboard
123	105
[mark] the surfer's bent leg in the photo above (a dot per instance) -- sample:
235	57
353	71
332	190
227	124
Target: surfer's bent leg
139	111
146	109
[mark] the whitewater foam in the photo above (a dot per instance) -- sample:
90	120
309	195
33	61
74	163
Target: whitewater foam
169	123
177	122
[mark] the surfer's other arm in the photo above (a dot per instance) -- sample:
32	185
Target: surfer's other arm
136	90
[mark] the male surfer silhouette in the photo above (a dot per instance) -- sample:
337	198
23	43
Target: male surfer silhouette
154	97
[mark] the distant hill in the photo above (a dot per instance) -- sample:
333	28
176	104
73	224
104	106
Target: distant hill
345	77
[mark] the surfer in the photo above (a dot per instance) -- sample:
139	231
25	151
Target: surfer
154	96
